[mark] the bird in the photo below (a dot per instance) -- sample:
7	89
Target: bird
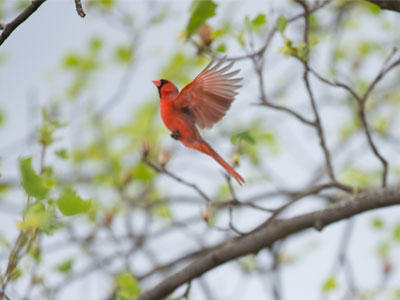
201	103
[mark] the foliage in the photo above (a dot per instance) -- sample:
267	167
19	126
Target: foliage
201	10
33	184
127	286
71	204
99	190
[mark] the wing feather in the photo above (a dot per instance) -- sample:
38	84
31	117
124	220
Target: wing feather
210	95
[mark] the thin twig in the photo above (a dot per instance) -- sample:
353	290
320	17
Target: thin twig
361	101
264	100
275	270
162	170
288	110
230	207
311	191
79	8
10	27
318	125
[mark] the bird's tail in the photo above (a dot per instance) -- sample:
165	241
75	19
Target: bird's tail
202	146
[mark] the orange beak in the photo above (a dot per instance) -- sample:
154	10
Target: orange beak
157	83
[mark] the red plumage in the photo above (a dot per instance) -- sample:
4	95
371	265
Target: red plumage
203	102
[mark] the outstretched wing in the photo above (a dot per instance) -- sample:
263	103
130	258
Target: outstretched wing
209	96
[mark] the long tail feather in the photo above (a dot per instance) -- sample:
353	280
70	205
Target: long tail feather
202	146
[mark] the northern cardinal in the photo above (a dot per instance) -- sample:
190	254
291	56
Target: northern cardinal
203	102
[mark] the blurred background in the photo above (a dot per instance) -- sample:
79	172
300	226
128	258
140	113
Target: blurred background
98	202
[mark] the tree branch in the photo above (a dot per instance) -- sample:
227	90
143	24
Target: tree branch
79	8
10	27
266	234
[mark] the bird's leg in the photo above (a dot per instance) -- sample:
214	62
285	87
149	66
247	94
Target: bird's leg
175	134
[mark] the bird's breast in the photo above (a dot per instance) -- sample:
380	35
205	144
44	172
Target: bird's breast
177	119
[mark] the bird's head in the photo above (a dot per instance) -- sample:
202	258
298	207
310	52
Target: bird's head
166	88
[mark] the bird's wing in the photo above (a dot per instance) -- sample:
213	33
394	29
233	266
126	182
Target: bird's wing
209	96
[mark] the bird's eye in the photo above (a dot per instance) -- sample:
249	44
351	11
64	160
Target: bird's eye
163	81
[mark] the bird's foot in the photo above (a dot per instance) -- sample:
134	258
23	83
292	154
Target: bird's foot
175	134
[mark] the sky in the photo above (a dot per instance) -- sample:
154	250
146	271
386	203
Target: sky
30	77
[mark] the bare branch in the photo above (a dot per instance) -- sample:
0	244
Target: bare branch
176	178
361	112
317	122
258	66
361	101
10	27
289	111
79	8
265	235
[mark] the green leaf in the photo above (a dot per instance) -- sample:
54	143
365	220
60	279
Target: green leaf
377	223
248	263
261	19
4	188
382	125
221	48
96	43
281	23
240	38
71	61
201	11
272	141
62	153
15	274
330	284
372	7
123	54
127	285
243	136
143	172
162	211
47	129
383	250
349	128
287	48
302	51
33	184
219	33
396	233
35	252
396	293
2	117
107	3
71	204
66	266
357	177
36	217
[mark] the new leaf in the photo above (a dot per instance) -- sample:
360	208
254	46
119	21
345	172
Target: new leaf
201	11
71	204
128	286
33	184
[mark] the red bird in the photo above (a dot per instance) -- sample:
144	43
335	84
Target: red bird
203	102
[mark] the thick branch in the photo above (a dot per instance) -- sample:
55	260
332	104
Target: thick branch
10	27
393	5
265	235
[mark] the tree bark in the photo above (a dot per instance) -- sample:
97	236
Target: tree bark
266	234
